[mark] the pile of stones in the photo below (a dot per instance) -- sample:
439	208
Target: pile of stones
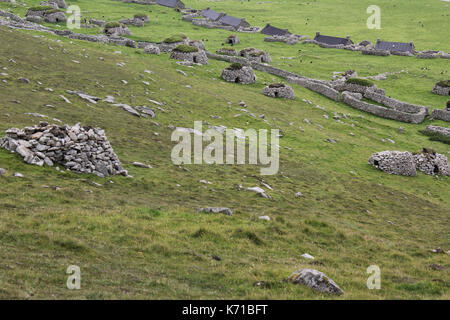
407	163
227	51
238	73
77	148
279	90
255	55
442	88
190	54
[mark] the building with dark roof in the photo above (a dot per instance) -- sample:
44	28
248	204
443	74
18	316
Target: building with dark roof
274	31
211	14
176	4
233	22
332	41
395	46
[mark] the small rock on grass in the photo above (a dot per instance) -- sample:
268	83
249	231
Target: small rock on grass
307	256
2	172
267	218
223	210
141	165
315	280
18	175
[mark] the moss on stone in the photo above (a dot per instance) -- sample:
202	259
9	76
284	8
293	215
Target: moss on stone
186	48
361	82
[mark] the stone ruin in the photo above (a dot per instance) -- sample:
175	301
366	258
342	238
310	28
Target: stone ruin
390	108
197	56
279	90
255	55
239	74
407	163
288	39
394	162
197	43
152	49
48	14
227	51
439	130
57	4
232	40
442	89
136	21
116	29
79	149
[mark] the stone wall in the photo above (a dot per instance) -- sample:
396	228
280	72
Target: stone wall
77	148
394	162
395	104
440	130
443	91
316	86
195	57
354	100
441	114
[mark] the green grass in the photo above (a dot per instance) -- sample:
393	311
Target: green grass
143	238
173	39
111	25
235	66
185	48
41	8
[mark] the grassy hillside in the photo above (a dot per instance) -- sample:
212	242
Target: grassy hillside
142	238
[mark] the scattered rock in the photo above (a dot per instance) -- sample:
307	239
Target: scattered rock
315	280
267	218
141	165
223	210
307	256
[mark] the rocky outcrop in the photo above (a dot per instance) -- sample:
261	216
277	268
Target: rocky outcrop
315	280
394	162
226	211
279	91
244	74
80	149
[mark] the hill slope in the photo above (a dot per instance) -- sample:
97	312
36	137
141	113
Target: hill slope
142	238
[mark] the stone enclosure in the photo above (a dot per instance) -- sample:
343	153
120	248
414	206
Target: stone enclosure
407	163
80	149
279	90
239	74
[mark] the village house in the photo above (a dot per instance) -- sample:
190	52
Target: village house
211	14
176	4
332	41
395	46
274	31
233	22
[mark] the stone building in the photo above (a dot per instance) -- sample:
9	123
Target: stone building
279	90
189	53
238	73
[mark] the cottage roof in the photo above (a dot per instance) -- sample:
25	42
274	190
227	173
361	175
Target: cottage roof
231	21
170	3
274	31
332	40
211	14
394	46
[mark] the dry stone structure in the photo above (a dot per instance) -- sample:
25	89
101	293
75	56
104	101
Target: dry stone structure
116	29
279	90
255	55
394	162
440	130
239	74
441	89
197	56
392	109
407	163
152	49
77	148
